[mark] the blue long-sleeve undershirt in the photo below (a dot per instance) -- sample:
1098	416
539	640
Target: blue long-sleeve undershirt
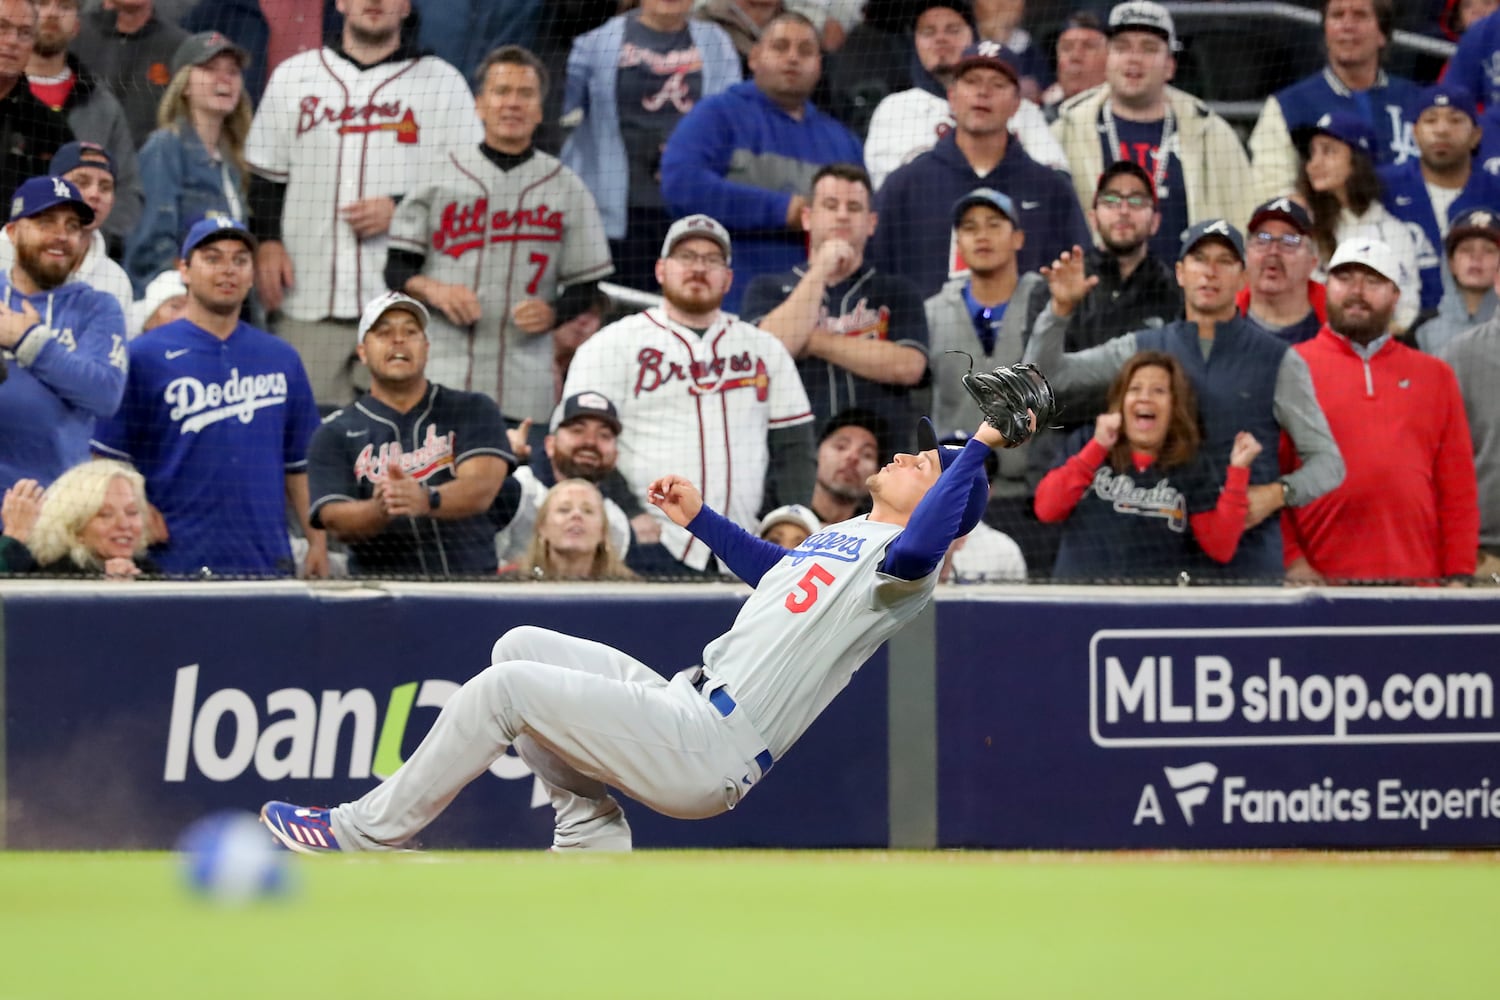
916	552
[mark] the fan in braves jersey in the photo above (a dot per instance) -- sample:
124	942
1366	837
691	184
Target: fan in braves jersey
504	243
699	388
340	135
407	475
859	335
585	716
217	416
62	341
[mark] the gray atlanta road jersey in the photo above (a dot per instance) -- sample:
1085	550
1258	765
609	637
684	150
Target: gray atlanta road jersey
814	619
526	233
334	133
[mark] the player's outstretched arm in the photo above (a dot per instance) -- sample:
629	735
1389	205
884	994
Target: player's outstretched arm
746	556
677	498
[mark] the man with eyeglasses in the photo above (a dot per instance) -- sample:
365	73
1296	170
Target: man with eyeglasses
1281	297
859	334
30	132
1246	380
698	388
1197	165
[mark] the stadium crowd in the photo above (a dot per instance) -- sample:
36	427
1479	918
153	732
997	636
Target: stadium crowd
425	289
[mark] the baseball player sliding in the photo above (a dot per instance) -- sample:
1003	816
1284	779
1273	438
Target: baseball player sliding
585	716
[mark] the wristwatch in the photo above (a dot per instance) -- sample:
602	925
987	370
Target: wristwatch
1288	494
434	499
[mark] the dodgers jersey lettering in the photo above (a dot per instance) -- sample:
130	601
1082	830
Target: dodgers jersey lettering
336	133
812	622
215	426
509	235
698	403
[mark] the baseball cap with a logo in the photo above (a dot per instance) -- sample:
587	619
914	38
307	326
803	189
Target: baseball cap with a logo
1448	95
382	304
1481	222
985	196
988	54
1143	15
1376	255
195	50
1286	210
72	155
1345	126
701	226
211	230
585	404
38	194
1213	229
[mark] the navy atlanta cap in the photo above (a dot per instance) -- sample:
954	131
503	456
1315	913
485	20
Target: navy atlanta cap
989	54
1286	210
1483	222
38	194
219	227
1213	229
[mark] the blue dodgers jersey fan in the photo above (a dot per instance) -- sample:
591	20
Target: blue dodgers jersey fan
215	426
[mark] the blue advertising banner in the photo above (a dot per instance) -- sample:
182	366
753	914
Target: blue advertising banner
1168	721
131	711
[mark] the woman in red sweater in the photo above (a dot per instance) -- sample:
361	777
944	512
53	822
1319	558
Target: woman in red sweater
1132	491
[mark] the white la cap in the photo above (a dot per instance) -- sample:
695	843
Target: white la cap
1374	254
382	304
164	286
792	513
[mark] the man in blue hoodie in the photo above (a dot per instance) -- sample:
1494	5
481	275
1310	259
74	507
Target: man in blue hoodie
63	343
744	156
917	242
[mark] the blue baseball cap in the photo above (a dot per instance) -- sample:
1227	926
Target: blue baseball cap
1213	229
72	155
979	493
1483	222
38	194
1345	126
213	229
1448	95
985	196
990	54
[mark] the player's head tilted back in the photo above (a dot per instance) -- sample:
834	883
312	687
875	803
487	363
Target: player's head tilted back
898	487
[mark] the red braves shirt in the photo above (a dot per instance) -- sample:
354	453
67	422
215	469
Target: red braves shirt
1408	507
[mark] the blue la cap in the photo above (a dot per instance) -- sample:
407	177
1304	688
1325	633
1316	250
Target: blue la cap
1448	95
985	196
72	155
1213	229
979	493
214	228
38	194
1345	126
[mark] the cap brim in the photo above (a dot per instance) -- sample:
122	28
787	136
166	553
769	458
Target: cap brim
1458	234
1287	217
927	438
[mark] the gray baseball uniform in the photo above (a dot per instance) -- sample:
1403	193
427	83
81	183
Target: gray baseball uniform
584	715
525	233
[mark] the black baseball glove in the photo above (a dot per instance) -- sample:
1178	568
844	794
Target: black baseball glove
1005	395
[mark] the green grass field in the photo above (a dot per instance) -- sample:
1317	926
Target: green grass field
762	925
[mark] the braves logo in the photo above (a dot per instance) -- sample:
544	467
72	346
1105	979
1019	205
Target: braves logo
362	119
462	228
703	378
1162	500
862	321
436	453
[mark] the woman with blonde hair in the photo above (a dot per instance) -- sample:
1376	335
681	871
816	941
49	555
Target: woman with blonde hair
193	165
572	537
90	522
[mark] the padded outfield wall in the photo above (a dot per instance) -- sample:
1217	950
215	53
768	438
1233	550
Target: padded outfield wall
1028	717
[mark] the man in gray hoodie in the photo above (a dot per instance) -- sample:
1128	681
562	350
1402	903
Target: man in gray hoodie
130	49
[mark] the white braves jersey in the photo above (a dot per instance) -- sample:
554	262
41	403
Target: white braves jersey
909	123
335	134
508	235
695	406
814	619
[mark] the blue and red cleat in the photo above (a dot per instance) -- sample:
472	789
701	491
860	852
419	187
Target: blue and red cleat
300	828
